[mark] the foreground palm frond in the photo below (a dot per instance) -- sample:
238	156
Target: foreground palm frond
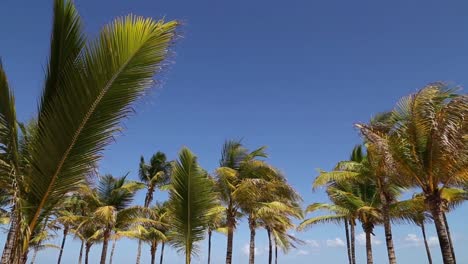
191	199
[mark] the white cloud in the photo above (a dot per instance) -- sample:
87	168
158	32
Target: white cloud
361	239
246	250
337	242
413	240
302	252
433	241
312	243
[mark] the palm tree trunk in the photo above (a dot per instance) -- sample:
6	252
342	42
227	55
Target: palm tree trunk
65	233
369	247
81	252
105	243
353	241
209	245
230	237
162	253
112	251
154	247
348	246
428	251
252	241
269	245
386	221
148	199
444	241
88	248
24	257
33	260
187	257
11	240
449	236
276	252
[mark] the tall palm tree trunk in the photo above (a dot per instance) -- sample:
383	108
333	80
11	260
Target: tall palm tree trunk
81	252
276	252
11	240
153	249
88	248
230	237
148	200
449	236
65	233
209	245
386	221
139	252
353	241
162	253
252	241
105	244
112	251
369	247
428	251
444	241
348	244
269	245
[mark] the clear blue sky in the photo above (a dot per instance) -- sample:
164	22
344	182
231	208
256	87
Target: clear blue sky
293	75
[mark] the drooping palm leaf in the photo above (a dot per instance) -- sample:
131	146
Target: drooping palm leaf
191	199
79	121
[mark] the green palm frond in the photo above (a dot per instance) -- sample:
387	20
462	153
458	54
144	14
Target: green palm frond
191	198
323	219
79	121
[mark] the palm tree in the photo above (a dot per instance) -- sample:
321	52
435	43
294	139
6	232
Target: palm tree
88	89
155	175
428	145
216	223
113	197
191	200
236	163
152	232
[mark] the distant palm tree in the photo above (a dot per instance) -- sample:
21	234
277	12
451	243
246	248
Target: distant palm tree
428	144
192	198
156	174
236	163
89	87
113	197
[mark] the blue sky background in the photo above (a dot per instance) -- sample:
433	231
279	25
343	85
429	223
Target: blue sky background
292	75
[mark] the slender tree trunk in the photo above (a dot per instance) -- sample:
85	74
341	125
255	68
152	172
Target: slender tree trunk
209	245
33	260
353	241
449	236
386	221
81	252
269	245
428	251
24	257
88	248
154	247
444	241
276	251
105	244
112	251
230	235
369	247
10	244
162	253
148	200
348	244
65	233
252	241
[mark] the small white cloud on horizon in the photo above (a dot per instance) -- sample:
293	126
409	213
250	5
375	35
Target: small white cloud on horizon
361	239
302	252
246	250
312	243
412	240
337	242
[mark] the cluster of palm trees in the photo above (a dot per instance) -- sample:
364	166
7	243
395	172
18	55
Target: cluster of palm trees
421	145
